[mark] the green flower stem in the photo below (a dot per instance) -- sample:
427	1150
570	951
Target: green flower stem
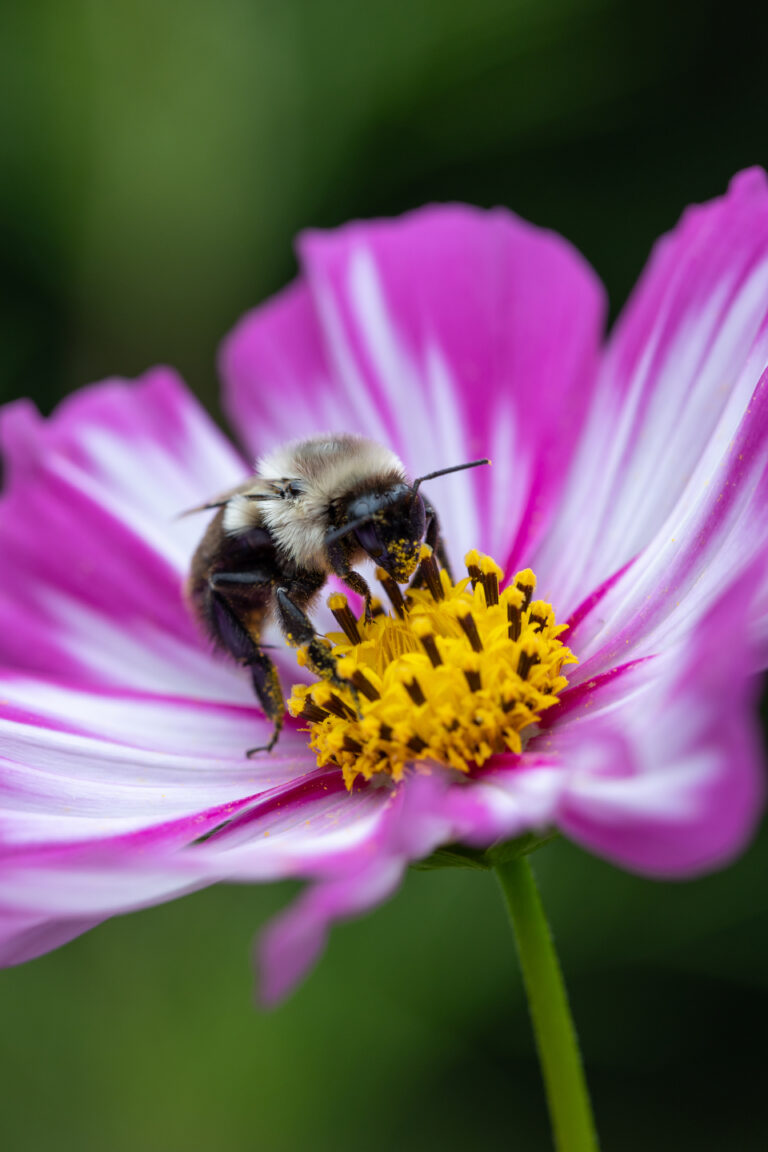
566	1086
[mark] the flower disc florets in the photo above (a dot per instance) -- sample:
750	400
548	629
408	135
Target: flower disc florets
458	672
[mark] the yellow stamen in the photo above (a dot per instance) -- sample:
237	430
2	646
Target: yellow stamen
458	673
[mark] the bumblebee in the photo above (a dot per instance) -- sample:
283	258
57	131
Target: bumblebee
314	507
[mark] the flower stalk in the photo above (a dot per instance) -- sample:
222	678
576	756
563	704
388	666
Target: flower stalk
570	1110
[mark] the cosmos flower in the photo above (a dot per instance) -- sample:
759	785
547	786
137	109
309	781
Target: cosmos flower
631	479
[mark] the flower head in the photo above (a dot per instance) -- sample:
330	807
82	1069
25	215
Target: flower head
451	678
631	479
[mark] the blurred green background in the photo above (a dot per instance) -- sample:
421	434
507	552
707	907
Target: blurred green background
157	159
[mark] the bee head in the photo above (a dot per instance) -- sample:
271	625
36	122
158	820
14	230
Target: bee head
390	527
389	522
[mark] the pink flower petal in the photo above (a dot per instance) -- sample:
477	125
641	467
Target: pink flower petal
95	553
671	468
718	529
277	382
296	941
24	937
80	765
665	771
448	334
309	825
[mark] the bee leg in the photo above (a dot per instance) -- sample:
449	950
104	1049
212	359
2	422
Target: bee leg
300	633
434	538
356	582
351	578
241	645
266	685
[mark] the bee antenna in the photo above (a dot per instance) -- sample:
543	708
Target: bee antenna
445	471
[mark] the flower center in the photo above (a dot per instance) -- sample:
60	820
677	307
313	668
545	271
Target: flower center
457	673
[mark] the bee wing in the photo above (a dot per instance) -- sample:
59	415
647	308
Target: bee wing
253	489
202	508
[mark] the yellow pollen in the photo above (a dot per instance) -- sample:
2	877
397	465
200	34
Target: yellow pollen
457	673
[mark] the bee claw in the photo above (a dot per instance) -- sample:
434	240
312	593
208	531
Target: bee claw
251	752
